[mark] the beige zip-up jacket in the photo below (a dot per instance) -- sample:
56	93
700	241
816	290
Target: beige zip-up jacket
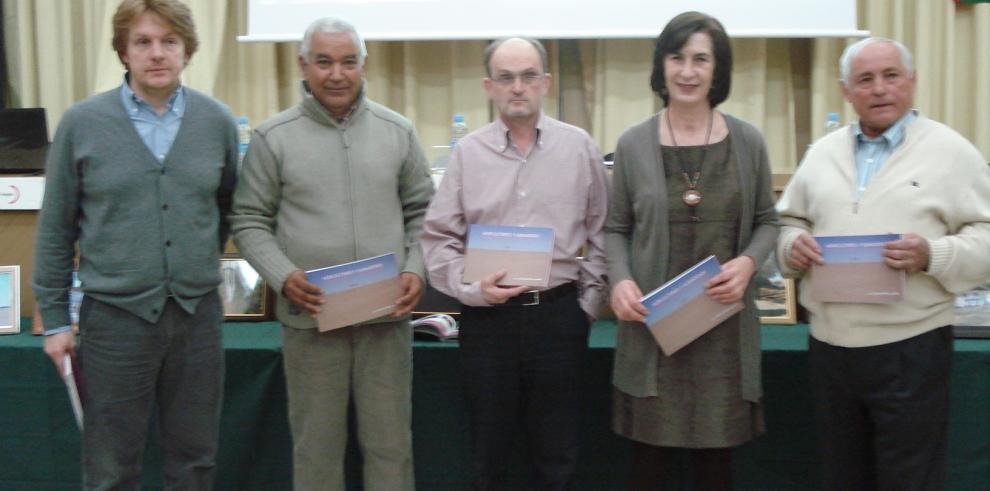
316	192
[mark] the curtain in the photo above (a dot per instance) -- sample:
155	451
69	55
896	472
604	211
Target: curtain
59	52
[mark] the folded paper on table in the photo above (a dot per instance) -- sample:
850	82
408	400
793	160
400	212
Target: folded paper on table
855	272
357	291
524	253
680	311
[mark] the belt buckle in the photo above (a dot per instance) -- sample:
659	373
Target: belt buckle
534	301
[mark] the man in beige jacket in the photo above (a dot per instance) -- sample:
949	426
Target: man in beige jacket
335	179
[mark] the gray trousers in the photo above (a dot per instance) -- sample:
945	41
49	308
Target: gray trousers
129	366
323	370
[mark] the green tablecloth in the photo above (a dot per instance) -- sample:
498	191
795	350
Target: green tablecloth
39	444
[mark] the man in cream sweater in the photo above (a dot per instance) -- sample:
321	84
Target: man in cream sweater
880	372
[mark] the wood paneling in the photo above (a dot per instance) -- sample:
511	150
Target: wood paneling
17	231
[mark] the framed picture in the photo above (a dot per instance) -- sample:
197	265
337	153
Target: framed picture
10	299
244	293
776	299
972	311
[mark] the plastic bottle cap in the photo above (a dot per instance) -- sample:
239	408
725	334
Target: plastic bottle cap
242	120
458	118
833	116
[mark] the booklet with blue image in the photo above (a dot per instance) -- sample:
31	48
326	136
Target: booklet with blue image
680	311
357	291
524	253
855	272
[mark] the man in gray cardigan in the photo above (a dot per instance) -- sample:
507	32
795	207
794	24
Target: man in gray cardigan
335	179
140	177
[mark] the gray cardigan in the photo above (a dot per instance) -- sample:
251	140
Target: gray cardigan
315	192
145	230
638	245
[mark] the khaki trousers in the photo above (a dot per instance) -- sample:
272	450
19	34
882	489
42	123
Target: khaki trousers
324	370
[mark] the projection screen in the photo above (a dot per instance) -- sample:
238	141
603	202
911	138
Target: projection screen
285	20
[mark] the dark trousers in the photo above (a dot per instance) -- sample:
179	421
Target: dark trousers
650	468
521	367
883	412
129	366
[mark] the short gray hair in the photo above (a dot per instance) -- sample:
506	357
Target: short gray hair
852	51
332	25
537	45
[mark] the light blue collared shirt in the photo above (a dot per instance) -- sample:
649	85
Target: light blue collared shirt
871	153
157	132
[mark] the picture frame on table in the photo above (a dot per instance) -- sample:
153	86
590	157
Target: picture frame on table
244	294
10	299
972	313
776	296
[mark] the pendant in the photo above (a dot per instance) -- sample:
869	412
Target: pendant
691	197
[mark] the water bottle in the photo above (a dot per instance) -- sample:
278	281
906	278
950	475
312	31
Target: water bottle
832	123
243	138
458	129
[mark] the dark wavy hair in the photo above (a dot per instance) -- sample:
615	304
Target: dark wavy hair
673	38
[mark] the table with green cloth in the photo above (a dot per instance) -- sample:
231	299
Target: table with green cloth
39	441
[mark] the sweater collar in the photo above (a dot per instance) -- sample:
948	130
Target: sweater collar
318	112
893	135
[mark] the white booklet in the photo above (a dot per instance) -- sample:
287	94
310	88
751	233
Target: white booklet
357	291
855	272
680	311
70	376
524	253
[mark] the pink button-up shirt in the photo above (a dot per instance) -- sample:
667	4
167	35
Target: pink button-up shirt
559	183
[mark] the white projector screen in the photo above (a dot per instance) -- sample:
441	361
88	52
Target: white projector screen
406	20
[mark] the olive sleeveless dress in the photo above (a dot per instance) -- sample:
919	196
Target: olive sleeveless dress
699	402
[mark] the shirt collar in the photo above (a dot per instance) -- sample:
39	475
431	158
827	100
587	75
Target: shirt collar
503	138
893	135
133	103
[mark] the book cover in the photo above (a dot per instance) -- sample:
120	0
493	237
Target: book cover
525	253
357	291
854	271
680	311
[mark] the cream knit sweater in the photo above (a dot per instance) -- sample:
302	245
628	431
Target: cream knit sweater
935	184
